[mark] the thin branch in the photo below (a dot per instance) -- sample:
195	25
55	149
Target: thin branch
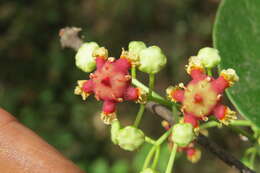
69	38
158	109
222	154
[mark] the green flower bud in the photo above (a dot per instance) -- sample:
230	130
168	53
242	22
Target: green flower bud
209	57
130	138
148	170
134	49
115	127
183	134
152	60
84	57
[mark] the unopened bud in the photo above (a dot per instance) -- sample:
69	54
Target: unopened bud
152	60
84	58
193	155
183	134
209	57
130	138
134	49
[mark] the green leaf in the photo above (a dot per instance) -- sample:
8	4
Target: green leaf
237	37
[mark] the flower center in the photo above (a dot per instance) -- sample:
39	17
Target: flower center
198	98
106	81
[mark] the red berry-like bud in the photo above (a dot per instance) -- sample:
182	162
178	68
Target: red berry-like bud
193	155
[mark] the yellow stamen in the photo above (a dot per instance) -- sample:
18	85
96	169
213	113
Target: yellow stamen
230	76
142	96
108	118
194	63
229	116
79	91
100	52
171	89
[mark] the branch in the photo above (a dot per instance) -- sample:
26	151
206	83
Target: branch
160	110
69	38
222	154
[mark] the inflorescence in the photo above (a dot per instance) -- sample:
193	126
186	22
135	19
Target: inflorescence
110	82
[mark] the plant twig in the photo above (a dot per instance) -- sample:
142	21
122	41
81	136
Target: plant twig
69	38
222	154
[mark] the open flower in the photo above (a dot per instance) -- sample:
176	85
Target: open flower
202	95
110	83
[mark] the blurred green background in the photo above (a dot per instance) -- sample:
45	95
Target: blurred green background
37	77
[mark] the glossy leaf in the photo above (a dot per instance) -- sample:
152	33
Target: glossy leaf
237	37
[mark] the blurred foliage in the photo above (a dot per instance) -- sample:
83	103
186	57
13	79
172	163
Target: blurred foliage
37	77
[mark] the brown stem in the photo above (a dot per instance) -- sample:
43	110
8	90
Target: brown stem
69	38
222	154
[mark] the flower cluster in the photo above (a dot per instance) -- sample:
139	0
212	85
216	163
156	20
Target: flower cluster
202	95
111	81
200	98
